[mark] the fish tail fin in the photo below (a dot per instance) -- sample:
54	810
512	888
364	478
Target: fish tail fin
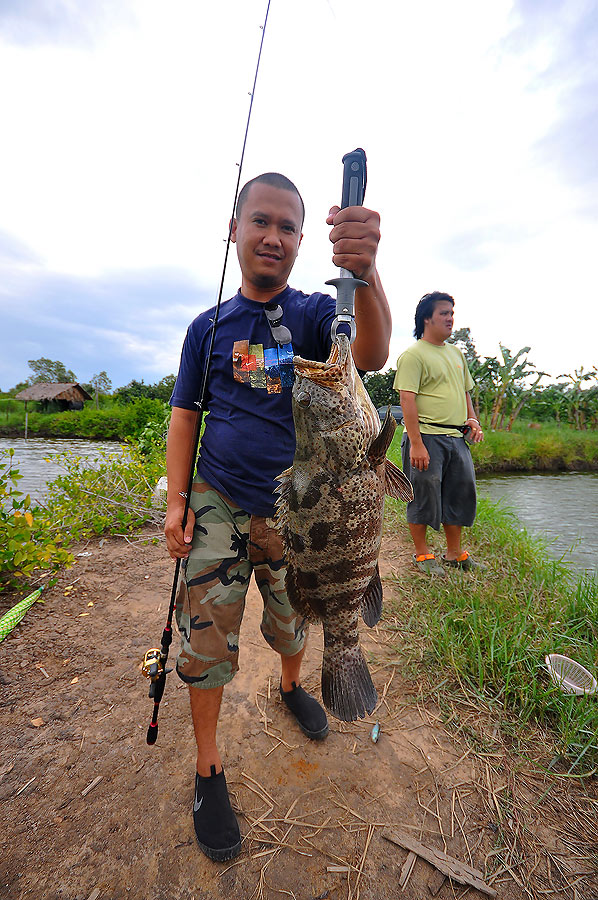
347	688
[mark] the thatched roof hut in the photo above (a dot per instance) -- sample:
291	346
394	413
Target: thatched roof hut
71	395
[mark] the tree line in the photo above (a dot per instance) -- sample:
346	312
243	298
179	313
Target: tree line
50	371
506	387
510	386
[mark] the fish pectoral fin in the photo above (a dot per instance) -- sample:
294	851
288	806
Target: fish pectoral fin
382	442
396	483
371	604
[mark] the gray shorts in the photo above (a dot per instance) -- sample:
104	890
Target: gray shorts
445	492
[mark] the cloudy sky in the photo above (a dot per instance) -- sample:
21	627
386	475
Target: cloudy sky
122	125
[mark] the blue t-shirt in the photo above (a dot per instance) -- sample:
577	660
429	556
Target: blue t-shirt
249	435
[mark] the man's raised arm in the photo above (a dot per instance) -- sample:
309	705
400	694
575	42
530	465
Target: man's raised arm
355	236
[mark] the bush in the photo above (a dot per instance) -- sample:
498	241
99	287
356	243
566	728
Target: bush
119	422
112	494
29	540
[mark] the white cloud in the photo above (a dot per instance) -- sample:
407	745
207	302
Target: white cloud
120	149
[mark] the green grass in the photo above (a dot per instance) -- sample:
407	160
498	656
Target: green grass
489	634
551	448
119	422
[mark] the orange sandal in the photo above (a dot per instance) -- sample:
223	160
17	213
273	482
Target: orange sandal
427	562
464	562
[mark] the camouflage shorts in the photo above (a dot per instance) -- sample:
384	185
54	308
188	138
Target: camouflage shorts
228	545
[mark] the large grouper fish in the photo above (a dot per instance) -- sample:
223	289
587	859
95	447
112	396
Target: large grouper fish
329	513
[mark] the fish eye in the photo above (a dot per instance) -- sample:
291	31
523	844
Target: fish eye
303	399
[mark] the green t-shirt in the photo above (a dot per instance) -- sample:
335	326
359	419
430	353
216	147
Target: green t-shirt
439	377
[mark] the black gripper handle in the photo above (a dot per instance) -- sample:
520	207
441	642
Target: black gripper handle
354	178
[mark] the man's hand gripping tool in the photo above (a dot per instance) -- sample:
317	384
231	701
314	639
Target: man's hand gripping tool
354	182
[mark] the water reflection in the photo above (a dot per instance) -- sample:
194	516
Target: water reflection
30	459
562	507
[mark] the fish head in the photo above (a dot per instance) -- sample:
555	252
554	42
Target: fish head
335	419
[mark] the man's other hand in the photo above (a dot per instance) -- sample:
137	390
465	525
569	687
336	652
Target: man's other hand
419	456
355	236
177	541
475	434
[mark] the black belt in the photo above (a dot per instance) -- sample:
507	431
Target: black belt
462	428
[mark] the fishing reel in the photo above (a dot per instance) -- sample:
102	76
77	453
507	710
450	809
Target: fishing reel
153	668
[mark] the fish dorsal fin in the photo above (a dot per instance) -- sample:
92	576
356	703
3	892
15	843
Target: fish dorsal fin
382	442
396	483
371	604
281	515
284	487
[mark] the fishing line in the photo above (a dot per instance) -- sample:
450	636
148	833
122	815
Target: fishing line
154	664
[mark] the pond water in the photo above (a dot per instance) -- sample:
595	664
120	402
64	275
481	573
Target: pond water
561	507
30	459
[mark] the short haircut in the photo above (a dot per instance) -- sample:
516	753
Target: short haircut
425	309
274	179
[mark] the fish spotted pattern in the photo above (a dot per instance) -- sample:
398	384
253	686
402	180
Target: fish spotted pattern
329	514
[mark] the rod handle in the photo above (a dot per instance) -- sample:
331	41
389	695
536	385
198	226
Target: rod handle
152	731
354	178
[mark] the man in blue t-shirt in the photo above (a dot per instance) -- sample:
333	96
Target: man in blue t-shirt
248	440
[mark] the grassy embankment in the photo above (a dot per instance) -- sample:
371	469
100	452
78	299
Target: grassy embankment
119	422
488	634
549	448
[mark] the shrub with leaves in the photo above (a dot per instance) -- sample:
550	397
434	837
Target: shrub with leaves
113	494
117	423
152	439
29	540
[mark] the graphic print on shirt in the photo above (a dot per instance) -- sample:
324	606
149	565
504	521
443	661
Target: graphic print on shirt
270	369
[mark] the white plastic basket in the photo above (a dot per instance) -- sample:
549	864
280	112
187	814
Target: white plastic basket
161	489
570	676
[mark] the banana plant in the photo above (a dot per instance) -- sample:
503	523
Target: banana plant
507	374
578	397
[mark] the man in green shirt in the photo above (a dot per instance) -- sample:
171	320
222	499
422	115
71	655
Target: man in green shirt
434	382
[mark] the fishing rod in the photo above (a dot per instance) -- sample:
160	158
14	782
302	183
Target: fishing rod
154	662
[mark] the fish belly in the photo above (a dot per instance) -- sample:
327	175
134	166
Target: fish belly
334	533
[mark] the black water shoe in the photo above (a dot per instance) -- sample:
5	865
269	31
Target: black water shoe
216	825
310	716
464	562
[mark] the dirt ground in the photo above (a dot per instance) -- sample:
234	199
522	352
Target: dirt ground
90	812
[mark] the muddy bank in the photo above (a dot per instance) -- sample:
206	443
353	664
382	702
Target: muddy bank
91	811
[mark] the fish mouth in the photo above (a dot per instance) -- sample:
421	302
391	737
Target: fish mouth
333	372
